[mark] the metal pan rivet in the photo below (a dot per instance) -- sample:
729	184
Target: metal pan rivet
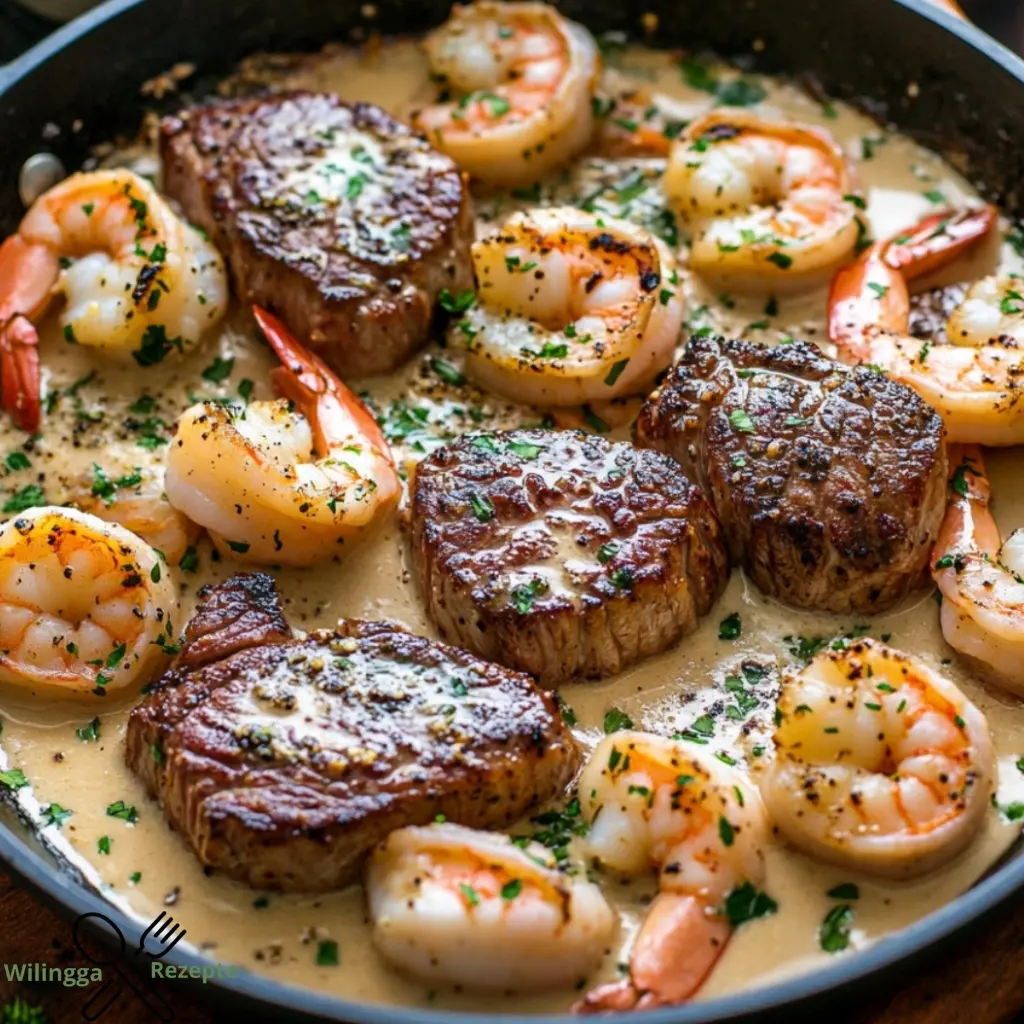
39	172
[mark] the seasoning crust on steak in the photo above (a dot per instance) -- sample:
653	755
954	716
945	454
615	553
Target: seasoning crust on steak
283	761
340	219
561	553
829	482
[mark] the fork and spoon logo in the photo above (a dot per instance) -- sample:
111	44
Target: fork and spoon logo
160	937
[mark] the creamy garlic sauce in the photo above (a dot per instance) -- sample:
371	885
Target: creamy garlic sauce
120	419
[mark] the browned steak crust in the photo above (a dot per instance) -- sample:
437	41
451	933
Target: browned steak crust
284	762
561	553
337	217
829	482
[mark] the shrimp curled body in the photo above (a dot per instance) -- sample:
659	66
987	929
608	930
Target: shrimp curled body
981	577
136	278
654	805
287	482
455	905
525	78
882	765
768	202
85	606
571	308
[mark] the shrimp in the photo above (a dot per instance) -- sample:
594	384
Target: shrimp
881	765
992	311
454	905
284	482
637	121
768	202
146	512
977	385
981	579
571	307
137	279
526	78
85	606
652	803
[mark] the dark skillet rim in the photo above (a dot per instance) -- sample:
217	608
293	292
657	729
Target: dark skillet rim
74	899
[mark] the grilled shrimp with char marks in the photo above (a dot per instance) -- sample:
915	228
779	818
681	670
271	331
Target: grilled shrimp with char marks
85	606
572	307
138	279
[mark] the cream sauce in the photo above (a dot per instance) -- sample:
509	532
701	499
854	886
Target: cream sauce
107	420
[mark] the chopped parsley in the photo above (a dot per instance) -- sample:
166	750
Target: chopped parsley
747	903
89	732
834	933
615	720
28	497
524	596
54	814
615	372
126	812
730	627
457	303
482	507
327	953
156	346
13	778
447	371
219	370
741	421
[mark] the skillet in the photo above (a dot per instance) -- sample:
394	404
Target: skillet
936	79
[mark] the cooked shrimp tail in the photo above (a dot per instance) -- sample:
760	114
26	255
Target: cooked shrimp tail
974	383
675	950
872	291
335	413
27	276
939	238
980	577
19	373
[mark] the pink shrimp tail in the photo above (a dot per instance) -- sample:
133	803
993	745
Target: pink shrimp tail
19	373
335	412
969	525
865	294
938	239
28	273
871	294
676	948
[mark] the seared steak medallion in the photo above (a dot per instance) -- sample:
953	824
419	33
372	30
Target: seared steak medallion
562	553
339	218
829	482
283	760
